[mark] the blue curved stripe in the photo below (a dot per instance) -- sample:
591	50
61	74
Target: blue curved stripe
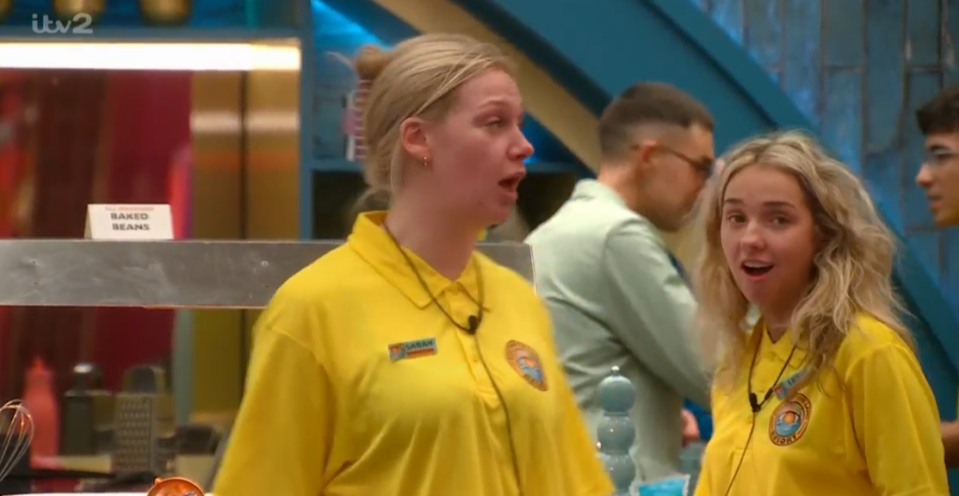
376	19
597	52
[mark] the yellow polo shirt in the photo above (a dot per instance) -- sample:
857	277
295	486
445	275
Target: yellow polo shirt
877	436
359	385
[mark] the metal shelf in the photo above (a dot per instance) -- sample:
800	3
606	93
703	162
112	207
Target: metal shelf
171	274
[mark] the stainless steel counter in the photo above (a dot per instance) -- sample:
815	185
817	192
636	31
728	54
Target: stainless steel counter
170	274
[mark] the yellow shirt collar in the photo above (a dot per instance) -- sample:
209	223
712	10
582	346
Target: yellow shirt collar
374	245
781	348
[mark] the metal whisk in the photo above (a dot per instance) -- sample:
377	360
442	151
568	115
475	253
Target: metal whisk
16	434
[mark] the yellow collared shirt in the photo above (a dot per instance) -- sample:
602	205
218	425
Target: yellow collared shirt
877	435
359	385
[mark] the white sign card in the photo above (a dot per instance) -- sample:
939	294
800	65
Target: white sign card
129	222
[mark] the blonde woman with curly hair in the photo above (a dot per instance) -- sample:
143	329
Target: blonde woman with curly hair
825	395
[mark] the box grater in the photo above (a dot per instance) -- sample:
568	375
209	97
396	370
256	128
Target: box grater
144	424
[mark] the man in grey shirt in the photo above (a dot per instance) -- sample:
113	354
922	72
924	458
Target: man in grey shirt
615	296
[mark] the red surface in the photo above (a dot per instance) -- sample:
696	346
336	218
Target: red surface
106	137
150	127
12	167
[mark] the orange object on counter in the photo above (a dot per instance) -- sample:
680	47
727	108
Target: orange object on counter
175	486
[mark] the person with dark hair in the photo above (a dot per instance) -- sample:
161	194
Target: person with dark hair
938	119
615	294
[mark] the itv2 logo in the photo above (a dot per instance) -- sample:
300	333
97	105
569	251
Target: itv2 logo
79	24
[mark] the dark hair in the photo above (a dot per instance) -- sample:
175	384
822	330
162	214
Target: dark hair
941	114
647	103
373	199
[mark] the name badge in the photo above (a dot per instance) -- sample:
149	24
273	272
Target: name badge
785	387
412	349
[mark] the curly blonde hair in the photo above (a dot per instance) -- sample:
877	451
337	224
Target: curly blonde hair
852	269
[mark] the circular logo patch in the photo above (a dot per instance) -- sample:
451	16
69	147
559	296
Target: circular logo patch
788	422
525	361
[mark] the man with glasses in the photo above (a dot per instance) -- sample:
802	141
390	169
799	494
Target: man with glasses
614	292
939	176
938	120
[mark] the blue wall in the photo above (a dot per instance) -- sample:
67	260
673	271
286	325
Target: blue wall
858	69
335	36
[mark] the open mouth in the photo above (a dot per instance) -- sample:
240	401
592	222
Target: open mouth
756	269
511	183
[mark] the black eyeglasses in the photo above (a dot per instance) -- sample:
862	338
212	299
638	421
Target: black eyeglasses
704	166
939	157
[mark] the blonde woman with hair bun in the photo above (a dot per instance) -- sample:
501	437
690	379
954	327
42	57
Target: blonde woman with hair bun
405	363
824	395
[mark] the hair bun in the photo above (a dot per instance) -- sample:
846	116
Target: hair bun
370	62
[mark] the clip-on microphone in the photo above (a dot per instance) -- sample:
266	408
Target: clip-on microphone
472	324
